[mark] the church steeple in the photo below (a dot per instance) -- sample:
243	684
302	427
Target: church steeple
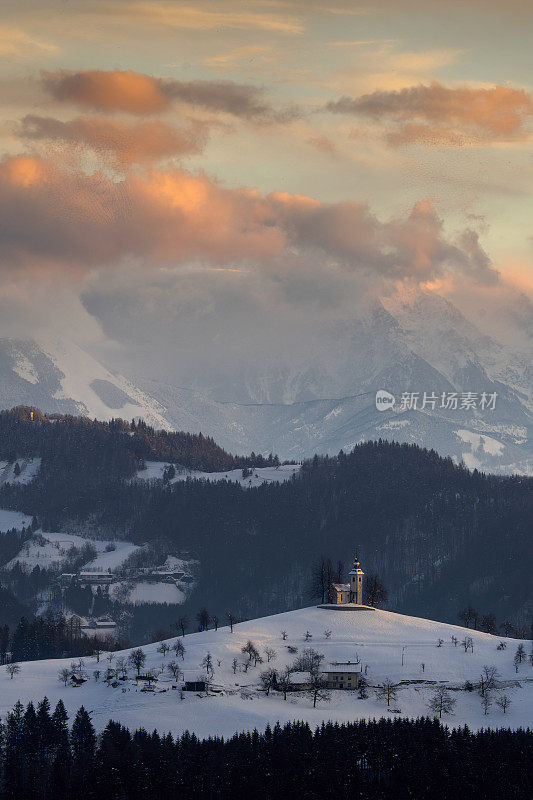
356	582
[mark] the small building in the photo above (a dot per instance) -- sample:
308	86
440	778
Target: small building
197	685
352	592
299	681
343	675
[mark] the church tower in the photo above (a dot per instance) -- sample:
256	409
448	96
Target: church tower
356	583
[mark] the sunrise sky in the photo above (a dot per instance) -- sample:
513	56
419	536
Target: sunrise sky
166	163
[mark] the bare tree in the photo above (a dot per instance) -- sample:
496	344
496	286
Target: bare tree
12	670
388	690
503	702
64	675
520	653
122	666
207	664
173	667
284	682
232	621
137	658
163	648
96	675
486	702
327	634
322	578
442	702
468	643
110	657
308	661
318	688
308	636
179	648
270	654
215	621
250	649
97	652
507	628
489	680
234	665
204	619
268	680
488	623
284	635
376	594
183	624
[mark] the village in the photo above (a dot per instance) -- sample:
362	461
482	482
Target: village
341	660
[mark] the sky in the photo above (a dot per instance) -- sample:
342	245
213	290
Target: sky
183	179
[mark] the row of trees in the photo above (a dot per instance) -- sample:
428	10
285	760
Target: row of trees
43	758
488	623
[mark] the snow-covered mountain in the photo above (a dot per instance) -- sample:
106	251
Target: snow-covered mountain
415	342
58	376
388	645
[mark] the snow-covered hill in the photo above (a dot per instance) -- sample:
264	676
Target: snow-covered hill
380	639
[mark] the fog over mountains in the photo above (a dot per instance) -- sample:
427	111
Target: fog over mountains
297	405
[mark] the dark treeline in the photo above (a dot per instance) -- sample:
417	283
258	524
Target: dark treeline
440	537
41	759
50	636
116	448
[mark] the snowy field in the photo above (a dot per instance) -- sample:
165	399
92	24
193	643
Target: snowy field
376	637
13	519
49	550
29	469
155	469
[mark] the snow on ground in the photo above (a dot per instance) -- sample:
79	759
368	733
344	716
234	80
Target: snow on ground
48	550
148	592
377	637
13	519
29	468
154	471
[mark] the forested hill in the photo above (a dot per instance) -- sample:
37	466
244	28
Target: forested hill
113	449
439	535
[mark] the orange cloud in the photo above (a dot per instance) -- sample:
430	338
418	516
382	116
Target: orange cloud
138	143
167	217
127	91
136	93
436	114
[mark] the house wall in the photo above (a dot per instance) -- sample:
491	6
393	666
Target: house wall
343	680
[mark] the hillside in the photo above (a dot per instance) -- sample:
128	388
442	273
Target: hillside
441	537
377	638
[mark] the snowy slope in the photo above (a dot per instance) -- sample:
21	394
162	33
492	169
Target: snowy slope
155	469
50	550
376	637
58	376
13	519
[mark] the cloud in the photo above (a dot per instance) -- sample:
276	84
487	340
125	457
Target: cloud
436	114
15	43
139	143
194	18
139	94
58	216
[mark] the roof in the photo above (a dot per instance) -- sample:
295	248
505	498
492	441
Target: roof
342	587
344	668
300	677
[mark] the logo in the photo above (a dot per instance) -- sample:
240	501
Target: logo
384	400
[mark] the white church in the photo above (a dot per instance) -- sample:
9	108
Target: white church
352	592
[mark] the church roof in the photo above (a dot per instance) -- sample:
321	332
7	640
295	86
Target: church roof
342	587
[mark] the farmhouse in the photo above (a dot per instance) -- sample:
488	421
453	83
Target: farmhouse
343	674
